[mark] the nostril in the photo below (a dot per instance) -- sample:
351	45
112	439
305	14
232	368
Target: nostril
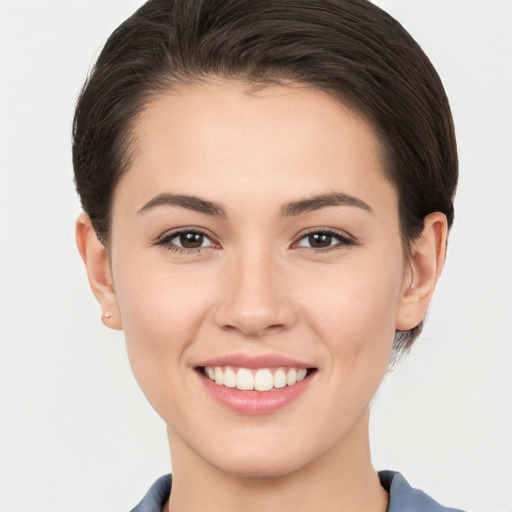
254	314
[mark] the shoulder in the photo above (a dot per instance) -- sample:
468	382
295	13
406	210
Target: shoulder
155	498
403	497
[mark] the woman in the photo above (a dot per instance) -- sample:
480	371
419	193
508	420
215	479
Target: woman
267	191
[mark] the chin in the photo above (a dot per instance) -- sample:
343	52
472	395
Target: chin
260	460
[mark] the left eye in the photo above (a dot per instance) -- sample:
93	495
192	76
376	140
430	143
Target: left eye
323	240
186	240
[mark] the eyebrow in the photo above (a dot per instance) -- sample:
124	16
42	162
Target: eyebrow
322	201
190	202
288	210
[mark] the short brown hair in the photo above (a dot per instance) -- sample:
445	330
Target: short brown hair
349	48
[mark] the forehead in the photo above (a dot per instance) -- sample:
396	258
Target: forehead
231	140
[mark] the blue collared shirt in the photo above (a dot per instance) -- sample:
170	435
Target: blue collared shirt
402	497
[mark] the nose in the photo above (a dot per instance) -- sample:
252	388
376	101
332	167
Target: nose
254	299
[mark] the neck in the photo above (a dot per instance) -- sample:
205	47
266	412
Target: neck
341	480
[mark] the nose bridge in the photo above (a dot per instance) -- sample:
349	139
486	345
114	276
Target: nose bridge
253	299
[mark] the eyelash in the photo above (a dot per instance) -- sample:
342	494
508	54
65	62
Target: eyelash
166	241
344	240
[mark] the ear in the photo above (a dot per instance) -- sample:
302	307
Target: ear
427	256
97	264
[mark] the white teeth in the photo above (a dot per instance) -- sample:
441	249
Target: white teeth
244	379
260	380
263	381
279	379
219	376
291	377
229	378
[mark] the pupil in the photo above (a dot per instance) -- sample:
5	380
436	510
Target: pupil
191	240
320	240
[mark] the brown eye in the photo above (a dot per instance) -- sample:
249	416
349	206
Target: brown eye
320	240
187	240
324	240
191	240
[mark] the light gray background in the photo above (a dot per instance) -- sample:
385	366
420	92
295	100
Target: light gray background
76	432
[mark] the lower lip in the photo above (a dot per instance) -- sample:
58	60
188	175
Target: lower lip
255	402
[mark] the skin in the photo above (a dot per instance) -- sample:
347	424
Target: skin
256	286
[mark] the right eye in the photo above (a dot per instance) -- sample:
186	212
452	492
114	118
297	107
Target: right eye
187	240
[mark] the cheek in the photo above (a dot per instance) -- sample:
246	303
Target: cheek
353	308
162	310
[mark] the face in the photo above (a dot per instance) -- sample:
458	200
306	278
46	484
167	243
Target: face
255	242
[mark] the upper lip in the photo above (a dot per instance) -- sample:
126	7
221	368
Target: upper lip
255	361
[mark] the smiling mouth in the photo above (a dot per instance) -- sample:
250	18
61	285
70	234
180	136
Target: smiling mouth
255	379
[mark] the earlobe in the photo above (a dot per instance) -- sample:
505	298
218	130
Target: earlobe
427	256
95	258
